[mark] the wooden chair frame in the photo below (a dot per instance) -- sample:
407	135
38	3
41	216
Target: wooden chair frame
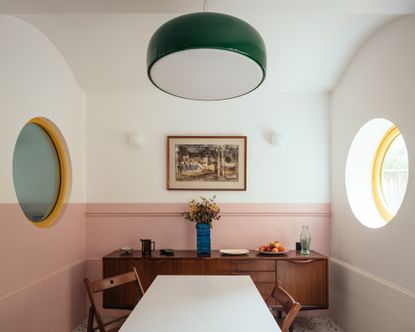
93	287
290	306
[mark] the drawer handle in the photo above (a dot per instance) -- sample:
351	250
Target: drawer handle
297	261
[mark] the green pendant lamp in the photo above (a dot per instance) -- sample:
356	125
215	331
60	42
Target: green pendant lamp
206	56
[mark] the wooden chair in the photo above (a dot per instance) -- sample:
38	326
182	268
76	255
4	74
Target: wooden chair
288	305
93	287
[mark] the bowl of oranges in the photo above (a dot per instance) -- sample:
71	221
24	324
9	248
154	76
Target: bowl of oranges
273	248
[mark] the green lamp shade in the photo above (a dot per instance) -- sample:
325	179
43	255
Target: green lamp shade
206	56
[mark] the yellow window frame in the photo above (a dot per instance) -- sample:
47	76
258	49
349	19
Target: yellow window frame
379	159
60	149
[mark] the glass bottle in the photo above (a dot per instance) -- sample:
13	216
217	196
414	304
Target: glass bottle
305	240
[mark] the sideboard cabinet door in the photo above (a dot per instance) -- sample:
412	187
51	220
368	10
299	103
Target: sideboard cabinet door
306	280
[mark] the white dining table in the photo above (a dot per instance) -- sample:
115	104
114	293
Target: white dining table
201	304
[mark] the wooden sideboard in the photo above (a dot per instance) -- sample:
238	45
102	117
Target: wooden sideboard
305	277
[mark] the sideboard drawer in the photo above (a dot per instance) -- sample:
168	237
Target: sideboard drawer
249	265
177	267
257	276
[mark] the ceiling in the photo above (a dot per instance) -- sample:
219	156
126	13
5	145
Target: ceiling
309	42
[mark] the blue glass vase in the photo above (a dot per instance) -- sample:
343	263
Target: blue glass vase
203	239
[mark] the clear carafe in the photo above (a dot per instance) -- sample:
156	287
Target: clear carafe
305	240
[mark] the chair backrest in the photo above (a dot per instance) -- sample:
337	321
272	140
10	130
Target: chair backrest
291	307
97	286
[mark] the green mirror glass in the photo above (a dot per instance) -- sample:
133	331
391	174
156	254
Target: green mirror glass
36	172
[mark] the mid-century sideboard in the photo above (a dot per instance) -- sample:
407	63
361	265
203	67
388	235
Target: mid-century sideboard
305	277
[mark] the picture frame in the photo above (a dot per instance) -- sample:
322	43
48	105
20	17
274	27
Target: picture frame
206	162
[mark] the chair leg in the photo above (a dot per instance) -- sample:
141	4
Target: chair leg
90	319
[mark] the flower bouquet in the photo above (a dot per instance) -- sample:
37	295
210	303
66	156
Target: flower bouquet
203	212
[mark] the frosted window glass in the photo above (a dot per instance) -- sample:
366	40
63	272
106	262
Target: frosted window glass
395	174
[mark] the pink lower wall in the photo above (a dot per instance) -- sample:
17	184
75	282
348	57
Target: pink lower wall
110	226
56	303
42	271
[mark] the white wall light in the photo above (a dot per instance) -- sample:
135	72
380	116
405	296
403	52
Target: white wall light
275	139
136	140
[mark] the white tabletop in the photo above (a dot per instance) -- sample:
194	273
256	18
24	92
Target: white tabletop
201	304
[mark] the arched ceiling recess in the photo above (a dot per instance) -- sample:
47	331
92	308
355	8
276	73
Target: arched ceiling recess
308	44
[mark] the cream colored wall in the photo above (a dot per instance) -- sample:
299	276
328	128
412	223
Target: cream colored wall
36	81
41	269
372	270
295	171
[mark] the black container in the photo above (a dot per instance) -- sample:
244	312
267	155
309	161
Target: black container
298	246
147	246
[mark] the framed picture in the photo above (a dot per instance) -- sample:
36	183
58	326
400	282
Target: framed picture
206	162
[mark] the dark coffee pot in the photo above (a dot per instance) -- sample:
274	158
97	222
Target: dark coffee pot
147	246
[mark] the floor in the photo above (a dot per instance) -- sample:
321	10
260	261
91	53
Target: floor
315	324
301	324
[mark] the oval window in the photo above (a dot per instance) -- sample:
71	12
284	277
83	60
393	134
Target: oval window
390	173
376	174
40	171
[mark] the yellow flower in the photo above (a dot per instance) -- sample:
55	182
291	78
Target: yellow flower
204	211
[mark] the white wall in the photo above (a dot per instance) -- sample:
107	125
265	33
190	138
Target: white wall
296	171
373	270
36	81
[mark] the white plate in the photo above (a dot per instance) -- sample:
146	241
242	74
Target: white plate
127	250
234	252
272	253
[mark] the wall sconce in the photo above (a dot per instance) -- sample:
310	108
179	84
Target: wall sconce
275	139
136	140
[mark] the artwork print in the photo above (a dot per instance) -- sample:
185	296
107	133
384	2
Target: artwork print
207	162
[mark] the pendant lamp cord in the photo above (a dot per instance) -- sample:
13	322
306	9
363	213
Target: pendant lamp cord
205	6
